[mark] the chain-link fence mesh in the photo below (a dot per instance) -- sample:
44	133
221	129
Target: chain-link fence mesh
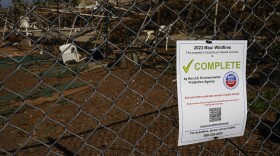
85	77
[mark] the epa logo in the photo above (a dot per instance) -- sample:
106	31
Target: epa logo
231	80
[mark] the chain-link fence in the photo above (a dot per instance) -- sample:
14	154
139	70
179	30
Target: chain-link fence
85	77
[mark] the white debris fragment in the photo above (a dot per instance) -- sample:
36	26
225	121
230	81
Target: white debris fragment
69	53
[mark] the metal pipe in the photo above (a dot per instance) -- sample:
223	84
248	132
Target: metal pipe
4	29
215	19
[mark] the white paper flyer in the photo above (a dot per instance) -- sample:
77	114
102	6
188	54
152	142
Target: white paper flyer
211	84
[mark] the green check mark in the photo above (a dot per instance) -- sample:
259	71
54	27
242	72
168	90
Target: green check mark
186	69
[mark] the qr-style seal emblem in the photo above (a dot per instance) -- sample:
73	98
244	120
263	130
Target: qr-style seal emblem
231	80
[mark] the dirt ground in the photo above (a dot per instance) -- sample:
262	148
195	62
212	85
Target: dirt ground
49	109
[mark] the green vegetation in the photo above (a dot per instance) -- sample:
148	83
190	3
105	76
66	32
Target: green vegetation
39	92
267	97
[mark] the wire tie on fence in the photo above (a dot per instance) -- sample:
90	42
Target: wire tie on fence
208	41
